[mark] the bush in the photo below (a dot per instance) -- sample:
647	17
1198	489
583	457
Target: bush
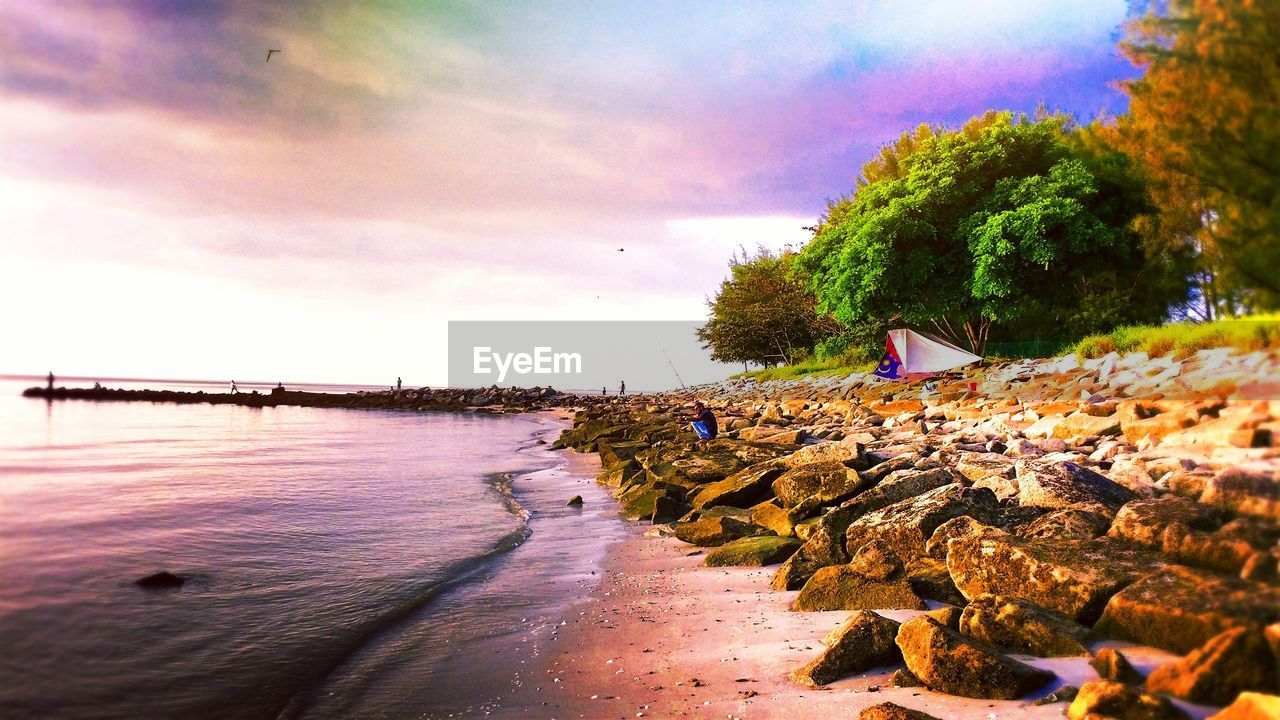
1185	339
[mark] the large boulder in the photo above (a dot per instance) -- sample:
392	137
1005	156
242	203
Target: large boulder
1071	523
1079	426
864	641
776	518
741	489
753	551
1180	609
1111	664
849	452
1213	674
1249	489
1144	521
949	662
989	470
822	549
1107	700
1024	627
1051	484
714	531
905	527
1073	577
828	482
841	587
956	527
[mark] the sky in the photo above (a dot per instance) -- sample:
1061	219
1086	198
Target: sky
174	205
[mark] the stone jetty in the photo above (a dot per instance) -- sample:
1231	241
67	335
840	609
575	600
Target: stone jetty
1038	507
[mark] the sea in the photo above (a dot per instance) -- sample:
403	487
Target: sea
339	563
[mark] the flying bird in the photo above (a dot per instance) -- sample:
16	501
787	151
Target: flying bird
622	249
269	53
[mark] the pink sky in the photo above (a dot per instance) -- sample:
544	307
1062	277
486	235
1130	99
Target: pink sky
171	205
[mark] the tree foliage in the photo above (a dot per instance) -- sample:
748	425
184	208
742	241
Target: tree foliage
763	313
1204	121
997	224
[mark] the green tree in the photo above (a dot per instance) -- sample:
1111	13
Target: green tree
763	312
1204	120
997	224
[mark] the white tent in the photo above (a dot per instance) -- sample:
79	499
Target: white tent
908	351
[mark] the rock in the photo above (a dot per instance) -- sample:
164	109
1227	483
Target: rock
949	662
1249	489
903	677
822	549
1072	577
163	580
780	520
821	483
840	587
1024	627
575	501
1066	694
668	509
890	711
905	527
1110	664
741	489
962	526
637	502
1251	706
1213	674
713	531
875	561
1180	609
1070	523
1068	485
1022	447
929	578
1076	427
1106	700
948	615
753	551
849	452
864	641
1143	521
988	470
826	543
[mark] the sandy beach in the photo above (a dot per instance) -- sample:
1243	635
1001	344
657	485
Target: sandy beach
664	636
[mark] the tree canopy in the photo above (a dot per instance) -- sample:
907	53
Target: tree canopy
763	313
1204	121
1001	221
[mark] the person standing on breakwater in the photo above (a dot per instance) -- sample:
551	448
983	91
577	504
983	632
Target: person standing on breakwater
397	384
604	391
704	424
234	390
50	381
622	387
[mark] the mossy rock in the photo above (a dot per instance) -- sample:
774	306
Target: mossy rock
949	662
841	587
753	551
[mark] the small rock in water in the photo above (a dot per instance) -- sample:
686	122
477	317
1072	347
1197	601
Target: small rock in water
160	580
575	501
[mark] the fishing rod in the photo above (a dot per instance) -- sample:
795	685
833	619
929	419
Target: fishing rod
672	365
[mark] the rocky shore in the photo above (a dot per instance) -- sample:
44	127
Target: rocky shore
482	400
1047	509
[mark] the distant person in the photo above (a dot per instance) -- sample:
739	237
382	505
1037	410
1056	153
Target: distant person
50	381
704	424
234	389
398	384
604	391
622	388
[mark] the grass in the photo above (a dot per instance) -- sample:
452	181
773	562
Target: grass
837	366
1182	340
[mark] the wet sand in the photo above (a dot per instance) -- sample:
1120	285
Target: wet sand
663	636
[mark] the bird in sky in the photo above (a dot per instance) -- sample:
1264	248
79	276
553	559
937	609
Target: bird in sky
270	53
622	249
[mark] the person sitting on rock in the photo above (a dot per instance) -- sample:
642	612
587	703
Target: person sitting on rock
704	424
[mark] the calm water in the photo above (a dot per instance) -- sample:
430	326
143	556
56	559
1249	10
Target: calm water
341	563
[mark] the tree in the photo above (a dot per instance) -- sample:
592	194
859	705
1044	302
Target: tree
1000	222
763	313
1204	121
